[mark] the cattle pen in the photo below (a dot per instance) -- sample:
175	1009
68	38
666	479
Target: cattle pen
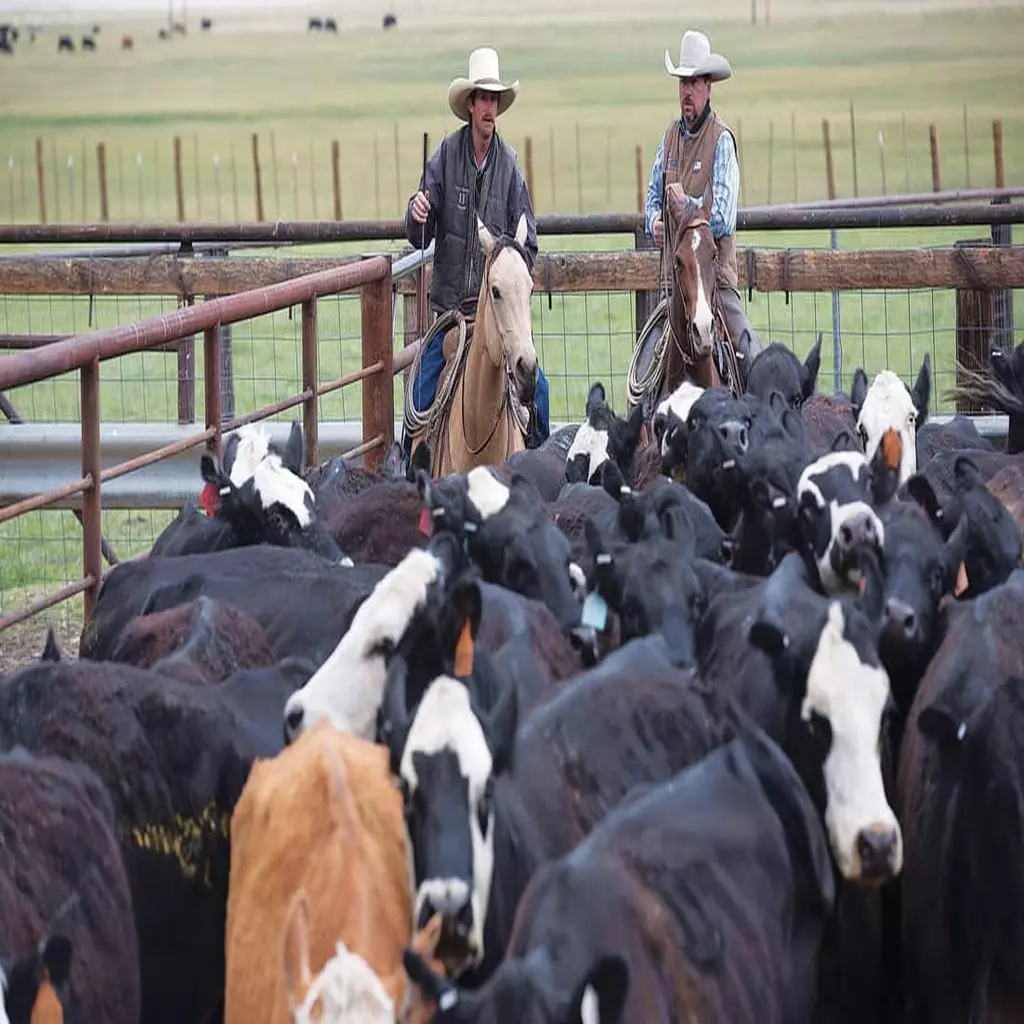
183	307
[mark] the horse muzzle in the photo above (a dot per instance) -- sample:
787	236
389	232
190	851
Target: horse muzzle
525	378
703	344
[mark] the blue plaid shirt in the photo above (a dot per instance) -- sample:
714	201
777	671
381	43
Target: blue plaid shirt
725	187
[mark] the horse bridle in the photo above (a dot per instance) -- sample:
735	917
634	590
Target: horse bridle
683	346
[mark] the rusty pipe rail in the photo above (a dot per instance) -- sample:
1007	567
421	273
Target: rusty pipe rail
372	277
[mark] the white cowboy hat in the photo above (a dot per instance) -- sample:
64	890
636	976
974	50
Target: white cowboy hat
483	74
696	59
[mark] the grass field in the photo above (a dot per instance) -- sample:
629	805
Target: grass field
596	66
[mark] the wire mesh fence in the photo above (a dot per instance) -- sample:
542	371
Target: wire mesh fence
580	338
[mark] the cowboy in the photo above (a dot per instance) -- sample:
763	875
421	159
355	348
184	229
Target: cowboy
698	150
472	172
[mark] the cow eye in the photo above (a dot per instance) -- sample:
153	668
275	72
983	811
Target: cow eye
820	729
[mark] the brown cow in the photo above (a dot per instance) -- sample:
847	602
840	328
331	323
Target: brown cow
323	817
127	42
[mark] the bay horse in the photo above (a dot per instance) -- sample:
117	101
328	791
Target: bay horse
685	338
480	416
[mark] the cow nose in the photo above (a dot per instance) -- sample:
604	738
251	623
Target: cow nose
450	899
735	434
900	619
858	529
292	722
876	848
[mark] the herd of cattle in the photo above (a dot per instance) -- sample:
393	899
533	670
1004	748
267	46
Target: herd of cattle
724	722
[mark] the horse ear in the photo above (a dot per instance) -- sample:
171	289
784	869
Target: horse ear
486	238
521	228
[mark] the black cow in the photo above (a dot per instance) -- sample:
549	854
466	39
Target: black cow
703	898
330	25
206	24
299	598
512	537
390	21
65	43
776	368
489	797
315	25
601	437
67	907
173	758
432	613
88	43
960	798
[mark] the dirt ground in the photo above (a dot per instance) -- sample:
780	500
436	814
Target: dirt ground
22	644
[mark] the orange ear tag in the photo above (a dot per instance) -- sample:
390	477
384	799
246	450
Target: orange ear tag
426	523
962	583
464	653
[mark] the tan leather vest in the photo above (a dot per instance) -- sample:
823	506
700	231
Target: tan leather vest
689	161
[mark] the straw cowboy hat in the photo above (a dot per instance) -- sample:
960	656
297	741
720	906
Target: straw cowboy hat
483	74
696	59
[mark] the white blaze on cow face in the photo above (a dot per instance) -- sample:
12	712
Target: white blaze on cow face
253	446
680	402
276	484
862	828
578	578
888	406
486	492
590	1007
842	511
702	317
348	687
346	989
445	722
592	443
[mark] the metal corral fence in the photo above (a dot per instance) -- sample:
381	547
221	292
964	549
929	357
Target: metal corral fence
881	307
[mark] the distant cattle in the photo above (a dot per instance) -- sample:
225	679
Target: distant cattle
320	822
5	46
67	907
206	24
180	28
330	25
390	21
164	34
66	43
88	43
127	42
315	25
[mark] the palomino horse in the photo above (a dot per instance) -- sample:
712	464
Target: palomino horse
480	416
685	337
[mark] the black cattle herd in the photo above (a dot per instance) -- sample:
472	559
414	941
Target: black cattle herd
717	721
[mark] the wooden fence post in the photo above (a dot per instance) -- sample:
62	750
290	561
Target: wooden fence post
256	172
378	390
1002	234
41	179
933	140
830	173
101	164
997	148
179	184
974	322
853	148
336	177
640	179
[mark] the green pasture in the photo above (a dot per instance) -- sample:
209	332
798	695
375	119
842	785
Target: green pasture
366	88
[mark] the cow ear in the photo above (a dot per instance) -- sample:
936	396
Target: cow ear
630	435
500	730
595	542
595	398
600	997
468	603
954	553
885	469
56	953
51	649
294	449
768	637
922	492
844	441
812	364
858	391
208	470
659	424
524	489
613	482
922	389
391	469
297	975
947	719
421	461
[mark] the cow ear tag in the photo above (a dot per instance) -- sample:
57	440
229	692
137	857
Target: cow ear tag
464	652
962	583
426	525
595	612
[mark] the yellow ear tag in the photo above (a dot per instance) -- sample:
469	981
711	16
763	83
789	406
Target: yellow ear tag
464	652
962	583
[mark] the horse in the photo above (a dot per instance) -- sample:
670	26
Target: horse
685	338
481	413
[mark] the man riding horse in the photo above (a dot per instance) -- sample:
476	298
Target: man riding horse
472	173
698	152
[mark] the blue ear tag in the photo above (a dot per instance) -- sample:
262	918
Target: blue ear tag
595	612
